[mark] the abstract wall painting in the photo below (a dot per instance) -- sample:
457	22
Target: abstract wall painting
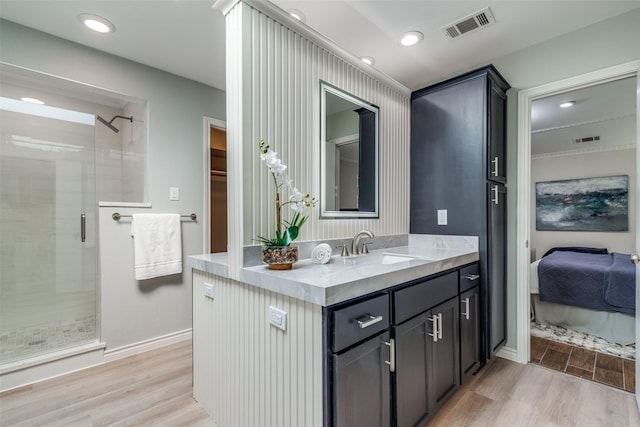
588	204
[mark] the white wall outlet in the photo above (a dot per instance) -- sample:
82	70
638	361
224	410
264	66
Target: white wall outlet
278	318
174	193
442	217
208	290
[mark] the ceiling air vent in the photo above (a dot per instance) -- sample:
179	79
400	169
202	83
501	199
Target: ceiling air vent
475	21
586	139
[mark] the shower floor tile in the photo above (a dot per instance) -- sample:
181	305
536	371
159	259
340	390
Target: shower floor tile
20	343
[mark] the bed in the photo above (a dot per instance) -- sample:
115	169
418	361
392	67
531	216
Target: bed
587	290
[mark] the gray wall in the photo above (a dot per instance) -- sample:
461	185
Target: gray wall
136	311
608	43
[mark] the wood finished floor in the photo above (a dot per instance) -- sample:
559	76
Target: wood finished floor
149	389
508	394
154	389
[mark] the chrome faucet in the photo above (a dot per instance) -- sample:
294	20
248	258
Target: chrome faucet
356	240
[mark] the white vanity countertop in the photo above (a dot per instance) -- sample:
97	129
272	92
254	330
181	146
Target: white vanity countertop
344	278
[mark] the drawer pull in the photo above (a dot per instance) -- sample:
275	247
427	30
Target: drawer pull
471	276
368	320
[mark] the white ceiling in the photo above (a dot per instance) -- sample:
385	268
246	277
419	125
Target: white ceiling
186	37
183	37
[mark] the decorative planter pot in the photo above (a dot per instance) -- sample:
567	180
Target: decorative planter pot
280	257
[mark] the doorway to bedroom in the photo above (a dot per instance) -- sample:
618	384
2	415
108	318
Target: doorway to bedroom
583	174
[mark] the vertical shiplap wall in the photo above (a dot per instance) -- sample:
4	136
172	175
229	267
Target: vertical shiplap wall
247	373
285	73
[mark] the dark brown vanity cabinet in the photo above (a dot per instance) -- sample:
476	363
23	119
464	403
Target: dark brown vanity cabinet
469	321
426	347
458	159
360	363
362	386
396	357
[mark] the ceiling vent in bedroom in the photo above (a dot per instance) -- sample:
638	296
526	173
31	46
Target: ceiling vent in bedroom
586	139
468	24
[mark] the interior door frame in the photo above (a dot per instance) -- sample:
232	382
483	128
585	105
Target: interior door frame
525	98
209	122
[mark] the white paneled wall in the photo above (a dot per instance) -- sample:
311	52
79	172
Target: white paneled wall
281	72
247	372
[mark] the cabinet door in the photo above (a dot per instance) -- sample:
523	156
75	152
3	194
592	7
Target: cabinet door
496	255
497	156
469	333
362	385
445	356
448	131
413	346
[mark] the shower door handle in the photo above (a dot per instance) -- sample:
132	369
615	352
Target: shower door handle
83	227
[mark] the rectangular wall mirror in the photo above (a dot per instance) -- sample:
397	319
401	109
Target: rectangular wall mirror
348	155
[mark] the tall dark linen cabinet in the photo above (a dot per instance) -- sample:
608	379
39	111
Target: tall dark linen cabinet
458	158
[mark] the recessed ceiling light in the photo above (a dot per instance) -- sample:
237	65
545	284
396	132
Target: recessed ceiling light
97	23
32	100
368	60
567	104
411	38
297	14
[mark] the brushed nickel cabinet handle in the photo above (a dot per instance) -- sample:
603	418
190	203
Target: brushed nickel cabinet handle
465	312
368	320
392	355
434	327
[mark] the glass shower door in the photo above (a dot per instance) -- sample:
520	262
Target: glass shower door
47	229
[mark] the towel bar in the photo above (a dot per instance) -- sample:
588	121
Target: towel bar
116	216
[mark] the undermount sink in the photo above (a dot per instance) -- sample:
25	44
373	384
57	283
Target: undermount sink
394	258
380	258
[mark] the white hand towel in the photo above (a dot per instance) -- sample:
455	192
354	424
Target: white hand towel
321	254
157	245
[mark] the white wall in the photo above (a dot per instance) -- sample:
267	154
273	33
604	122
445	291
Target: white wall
584	165
135	311
598	46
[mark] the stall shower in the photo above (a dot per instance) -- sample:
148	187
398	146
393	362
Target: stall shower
47	229
60	160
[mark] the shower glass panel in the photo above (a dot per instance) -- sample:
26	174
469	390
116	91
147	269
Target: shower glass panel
47	229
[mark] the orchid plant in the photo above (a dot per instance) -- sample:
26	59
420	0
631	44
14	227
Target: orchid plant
298	200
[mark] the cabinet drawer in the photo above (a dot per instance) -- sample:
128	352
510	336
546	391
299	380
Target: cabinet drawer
359	321
424	295
469	277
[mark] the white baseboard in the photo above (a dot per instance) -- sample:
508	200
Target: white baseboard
508	353
142	346
49	366
52	365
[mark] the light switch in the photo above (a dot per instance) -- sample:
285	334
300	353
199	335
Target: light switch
174	193
442	217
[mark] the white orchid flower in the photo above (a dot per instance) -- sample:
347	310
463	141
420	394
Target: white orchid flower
278	168
269	157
